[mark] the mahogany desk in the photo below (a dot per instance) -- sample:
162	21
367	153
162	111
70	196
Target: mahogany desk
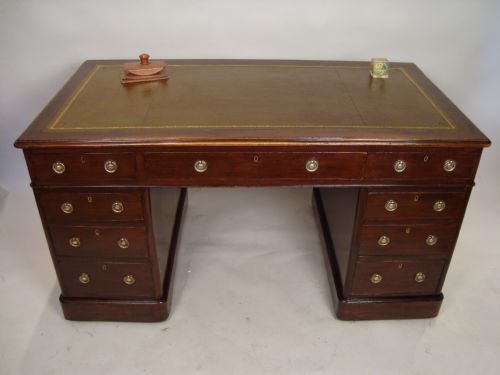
392	162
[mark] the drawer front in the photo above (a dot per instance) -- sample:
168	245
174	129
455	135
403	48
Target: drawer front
251	168
396	277
91	206
65	168
100	241
433	239
404	166
417	205
93	278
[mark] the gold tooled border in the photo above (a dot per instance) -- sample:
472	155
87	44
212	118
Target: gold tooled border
52	126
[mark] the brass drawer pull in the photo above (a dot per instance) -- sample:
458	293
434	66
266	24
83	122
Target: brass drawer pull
439	206
312	165
200	166
391	205
84	278
117	207
376	278
420	277
431	240
399	166
58	167
123	243
67	207
110	166
384	240
129	279
75	242
449	165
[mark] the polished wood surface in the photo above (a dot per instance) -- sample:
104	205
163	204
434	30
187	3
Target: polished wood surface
392	163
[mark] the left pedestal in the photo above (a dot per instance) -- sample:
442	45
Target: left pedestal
113	249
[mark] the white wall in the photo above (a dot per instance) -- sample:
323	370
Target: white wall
456	43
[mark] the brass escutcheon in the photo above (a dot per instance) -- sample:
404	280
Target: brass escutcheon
117	207
439	206
110	166
123	243
391	205
384	240
200	166
129	279
67	207
399	166
58	167
84	278
419	277
376	278
312	165
449	165
74	242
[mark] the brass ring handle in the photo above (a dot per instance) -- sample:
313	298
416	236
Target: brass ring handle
123	243
391	205
312	165
420	277
67	207
439	206
376	278
58	167
431	240
399	166
449	165
84	278
117	207
200	166
129	279
384	240
75	242
110	166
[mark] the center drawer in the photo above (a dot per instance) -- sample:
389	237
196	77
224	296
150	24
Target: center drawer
245	168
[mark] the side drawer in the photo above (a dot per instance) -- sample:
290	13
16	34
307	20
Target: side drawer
396	277
414	205
67	168
84	277
245	168
90	205
411	239
100	241
413	166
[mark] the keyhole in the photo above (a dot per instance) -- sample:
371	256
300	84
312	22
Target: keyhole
97	233
407	230
256	158
416	198
104	267
400	265
89	199
426	158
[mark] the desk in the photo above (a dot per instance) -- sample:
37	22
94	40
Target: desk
392	162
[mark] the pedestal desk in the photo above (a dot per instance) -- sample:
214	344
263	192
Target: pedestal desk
391	162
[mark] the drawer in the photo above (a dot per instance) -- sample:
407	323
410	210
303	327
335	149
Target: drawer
84	277
414	205
396	277
206	168
412	239
100	241
412	166
66	168
82	205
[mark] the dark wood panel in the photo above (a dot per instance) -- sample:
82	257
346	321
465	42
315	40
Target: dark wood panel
397	277
91	205
100	241
411	239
